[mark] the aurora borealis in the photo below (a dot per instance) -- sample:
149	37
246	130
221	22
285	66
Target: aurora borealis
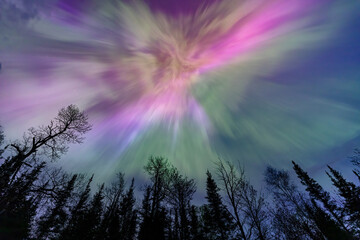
263	82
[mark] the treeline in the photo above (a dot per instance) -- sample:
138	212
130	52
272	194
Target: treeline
42	202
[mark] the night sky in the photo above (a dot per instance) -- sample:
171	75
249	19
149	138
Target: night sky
260	82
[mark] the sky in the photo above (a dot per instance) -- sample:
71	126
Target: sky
251	81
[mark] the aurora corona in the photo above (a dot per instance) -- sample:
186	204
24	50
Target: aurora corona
189	83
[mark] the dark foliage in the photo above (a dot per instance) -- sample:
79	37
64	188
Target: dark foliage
217	220
41	202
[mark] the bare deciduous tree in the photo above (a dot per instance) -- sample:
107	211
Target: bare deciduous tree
247	206
51	140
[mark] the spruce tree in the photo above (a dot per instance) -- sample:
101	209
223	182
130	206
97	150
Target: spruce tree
316	192
145	215
51	223
86	224
349	192
93	216
2	137
328	227
217	217
76	228
128	215
111	222
289	215
195	226
357	174
21	169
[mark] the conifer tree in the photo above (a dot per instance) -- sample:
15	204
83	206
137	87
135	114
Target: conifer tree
111	222
349	192
316	192
93	216
195	228
87	225
170	226
176	232
357	174
52	222
217	218
289	214
356	158
152	225
76	228
128	215
328	227
145	224
21	169
2	137
18	207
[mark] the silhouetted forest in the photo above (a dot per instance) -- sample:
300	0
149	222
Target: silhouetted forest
38	201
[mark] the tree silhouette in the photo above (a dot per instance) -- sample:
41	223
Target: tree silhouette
316	192
232	182
76	225
146	219
93	216
217	218
40	201
25	161
51	223
154	213
350	194
247	207
128	215
356	158
328	227
2	137
290	217
179	193
195	225
113	195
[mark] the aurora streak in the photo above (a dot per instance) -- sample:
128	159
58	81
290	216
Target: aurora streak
241	79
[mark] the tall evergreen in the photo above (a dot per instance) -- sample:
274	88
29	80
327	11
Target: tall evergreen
328	227
128	215
316	192
93	215
110	223
17	206
76	225
289	215
355	159
153	224
217	217
195	226
350	194
2	137
145	224
21	169
357	174
41	202
52	222
86	224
